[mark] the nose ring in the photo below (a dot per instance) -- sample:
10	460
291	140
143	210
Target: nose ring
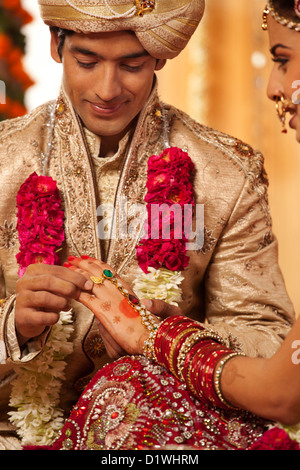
281	108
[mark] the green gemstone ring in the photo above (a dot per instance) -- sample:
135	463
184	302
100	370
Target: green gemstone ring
108	274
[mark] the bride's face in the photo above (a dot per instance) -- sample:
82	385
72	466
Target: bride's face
285	76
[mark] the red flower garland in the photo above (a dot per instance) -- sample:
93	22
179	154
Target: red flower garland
275	439
169	184
40	222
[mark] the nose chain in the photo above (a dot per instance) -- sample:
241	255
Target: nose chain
127	14
281	108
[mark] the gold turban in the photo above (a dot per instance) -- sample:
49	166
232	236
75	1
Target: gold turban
163	27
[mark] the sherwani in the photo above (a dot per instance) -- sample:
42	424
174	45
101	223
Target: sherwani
233	281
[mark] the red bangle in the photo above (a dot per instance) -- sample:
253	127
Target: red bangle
199	370
192	366
176	345
199	356
167	333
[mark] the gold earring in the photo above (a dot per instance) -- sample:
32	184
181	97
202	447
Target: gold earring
265	16
281	107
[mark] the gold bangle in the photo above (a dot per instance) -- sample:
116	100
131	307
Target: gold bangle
217	378
189	343
173	347
148	348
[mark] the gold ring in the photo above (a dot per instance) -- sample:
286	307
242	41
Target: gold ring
97	280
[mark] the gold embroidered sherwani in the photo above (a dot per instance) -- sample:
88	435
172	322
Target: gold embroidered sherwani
233	281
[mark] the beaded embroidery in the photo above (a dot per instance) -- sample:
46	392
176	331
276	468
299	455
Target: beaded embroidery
135	404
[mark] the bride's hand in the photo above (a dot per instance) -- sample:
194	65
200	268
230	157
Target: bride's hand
119	317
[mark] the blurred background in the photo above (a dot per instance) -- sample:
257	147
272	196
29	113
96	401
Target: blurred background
220	80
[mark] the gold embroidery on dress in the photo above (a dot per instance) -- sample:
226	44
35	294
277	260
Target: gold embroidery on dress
8	235
71	166
209	241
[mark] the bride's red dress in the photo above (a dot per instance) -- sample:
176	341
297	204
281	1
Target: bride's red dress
136	404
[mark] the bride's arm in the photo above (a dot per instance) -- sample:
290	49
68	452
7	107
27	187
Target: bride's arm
267	387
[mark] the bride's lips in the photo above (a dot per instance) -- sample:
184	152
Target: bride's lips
105	109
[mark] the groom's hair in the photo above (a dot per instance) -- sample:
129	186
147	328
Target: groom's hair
61	33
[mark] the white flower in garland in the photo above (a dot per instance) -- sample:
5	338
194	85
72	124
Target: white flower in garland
293	432
36	390
160	284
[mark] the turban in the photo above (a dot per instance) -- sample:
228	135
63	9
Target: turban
163	27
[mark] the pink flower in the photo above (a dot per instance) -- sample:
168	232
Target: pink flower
25	258
172	255
25	197
275	439
50	235
160	179
178	193
27	235
157	254
162	253
174	262
146	252
45	186
27	213
37	186
173	159
38	247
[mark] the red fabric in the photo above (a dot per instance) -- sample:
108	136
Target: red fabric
135	404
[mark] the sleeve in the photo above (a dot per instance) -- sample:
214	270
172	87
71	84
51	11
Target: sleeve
6	306
245	291
10	350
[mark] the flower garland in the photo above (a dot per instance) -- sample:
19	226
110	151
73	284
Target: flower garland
36	390
40	222
161	254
